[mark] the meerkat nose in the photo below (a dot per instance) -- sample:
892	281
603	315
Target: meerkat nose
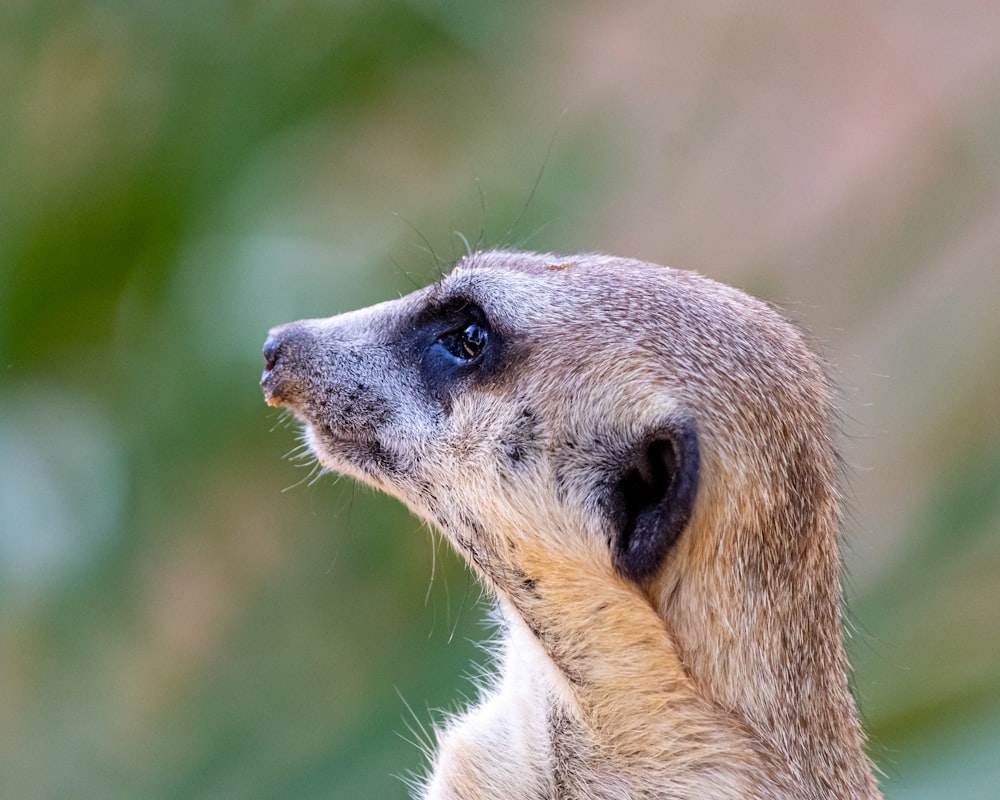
272	354
272	346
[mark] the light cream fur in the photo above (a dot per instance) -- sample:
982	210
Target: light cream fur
723	675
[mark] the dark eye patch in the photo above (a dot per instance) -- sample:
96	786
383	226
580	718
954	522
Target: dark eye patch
454	343
465	334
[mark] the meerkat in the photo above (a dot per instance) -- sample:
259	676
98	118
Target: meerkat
638	463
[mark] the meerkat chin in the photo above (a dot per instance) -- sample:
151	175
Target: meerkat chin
638	463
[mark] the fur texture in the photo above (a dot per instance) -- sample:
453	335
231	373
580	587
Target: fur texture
638	463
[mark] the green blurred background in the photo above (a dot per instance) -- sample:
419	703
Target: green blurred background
185	612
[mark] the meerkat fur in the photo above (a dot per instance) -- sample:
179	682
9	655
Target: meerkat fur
638	463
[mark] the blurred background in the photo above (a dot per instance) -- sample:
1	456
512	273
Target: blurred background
186	612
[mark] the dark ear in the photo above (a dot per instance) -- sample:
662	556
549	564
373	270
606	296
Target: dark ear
654	498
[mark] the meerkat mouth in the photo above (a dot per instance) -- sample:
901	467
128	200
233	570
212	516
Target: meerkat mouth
333	437
361	449
271	396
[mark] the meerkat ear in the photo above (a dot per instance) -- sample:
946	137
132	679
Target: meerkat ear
654	497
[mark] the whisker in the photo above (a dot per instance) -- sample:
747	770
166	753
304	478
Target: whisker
461	608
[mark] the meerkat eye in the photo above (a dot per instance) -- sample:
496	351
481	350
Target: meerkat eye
473	340
466	344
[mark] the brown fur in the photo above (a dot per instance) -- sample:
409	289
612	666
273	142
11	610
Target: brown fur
720	673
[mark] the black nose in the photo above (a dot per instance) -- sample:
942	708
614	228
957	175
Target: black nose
272	351
271	382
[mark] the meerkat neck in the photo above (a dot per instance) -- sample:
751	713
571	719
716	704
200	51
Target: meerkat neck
602	647
759	627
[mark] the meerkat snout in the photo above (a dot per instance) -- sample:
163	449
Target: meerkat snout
269	382
638	463
288	354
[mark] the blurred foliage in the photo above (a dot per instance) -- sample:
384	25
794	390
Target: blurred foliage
185	612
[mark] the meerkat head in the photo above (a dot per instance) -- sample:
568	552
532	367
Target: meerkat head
521	395
606	414
584	398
